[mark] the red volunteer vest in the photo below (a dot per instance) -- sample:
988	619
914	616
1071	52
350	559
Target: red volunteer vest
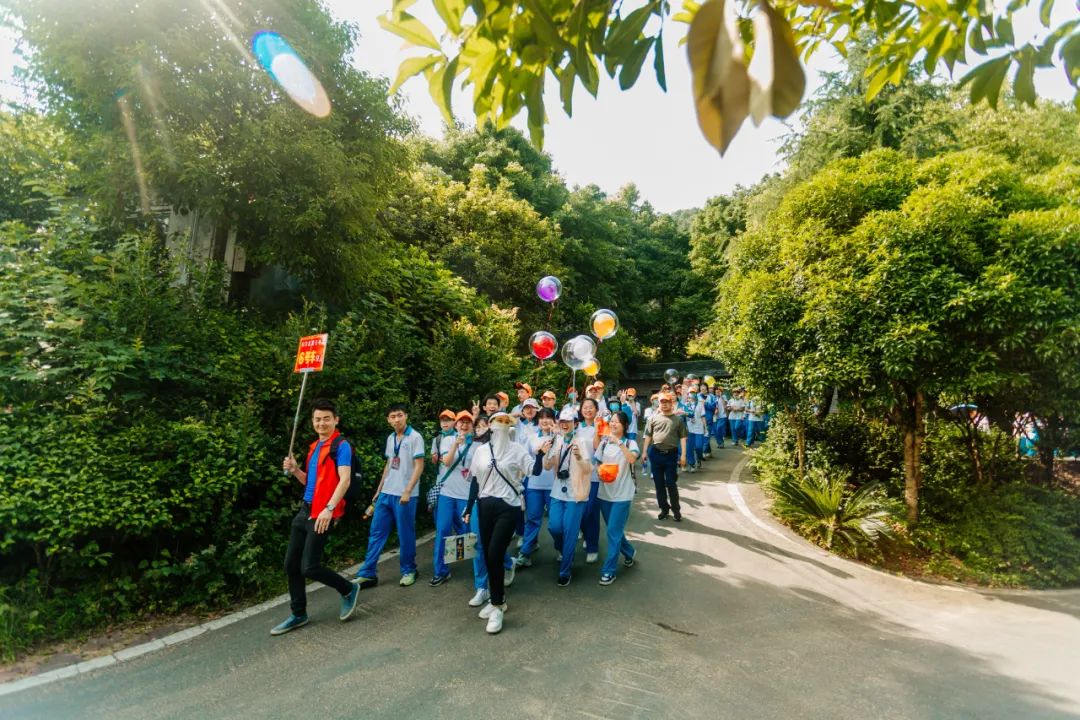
326	479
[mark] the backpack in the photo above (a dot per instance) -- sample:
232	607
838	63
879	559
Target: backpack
352	494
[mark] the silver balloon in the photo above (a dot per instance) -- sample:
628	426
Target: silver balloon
671	376
578	351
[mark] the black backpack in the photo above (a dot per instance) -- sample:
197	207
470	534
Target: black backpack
353	494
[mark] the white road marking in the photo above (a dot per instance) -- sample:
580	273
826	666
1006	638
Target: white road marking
648	635
631	687
740	503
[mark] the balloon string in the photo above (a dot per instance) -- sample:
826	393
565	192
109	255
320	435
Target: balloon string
551	311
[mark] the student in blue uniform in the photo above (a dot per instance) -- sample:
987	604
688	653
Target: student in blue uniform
616	495
569	492
537	486
396	499
452	491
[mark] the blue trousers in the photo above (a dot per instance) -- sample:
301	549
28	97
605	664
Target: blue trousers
479	565
665	474
448	522
615	516
738	430
535	502
390	514
564	521
720	430
590	524
753	429
695	448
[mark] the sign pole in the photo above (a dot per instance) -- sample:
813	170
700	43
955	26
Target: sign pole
296	419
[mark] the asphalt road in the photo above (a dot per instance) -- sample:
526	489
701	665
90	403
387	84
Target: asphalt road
726	615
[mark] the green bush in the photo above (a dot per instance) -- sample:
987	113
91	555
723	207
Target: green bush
830	512
144	421
1001	531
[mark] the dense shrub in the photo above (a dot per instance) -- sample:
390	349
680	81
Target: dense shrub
1002	530
144	421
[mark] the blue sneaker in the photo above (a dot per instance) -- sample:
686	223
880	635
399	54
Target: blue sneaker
348	603
292	623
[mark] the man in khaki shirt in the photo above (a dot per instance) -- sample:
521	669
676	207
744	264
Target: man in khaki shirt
665	435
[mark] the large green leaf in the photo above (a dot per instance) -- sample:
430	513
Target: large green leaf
408	27
411	67
634	61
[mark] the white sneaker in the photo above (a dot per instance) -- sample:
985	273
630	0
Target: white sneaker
592	557
479	598
495	620
558	557
508	578
486	611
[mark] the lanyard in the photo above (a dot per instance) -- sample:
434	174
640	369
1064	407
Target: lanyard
397	443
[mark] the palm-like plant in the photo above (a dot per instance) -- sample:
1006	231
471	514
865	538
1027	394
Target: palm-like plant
823	508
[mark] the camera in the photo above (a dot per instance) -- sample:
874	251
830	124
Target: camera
563	474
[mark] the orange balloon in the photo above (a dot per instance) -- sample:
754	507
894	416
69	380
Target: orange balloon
592	369
604	325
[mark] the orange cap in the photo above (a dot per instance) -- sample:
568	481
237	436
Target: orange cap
447	413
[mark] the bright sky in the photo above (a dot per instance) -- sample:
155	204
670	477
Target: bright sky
642	135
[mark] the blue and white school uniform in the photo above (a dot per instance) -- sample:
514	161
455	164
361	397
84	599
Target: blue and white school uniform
402	454
590	523
566	511
631	409
453	498
615	499
719	428
537	496
754	424
735	416
695	427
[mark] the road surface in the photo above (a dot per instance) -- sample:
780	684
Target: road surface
726	615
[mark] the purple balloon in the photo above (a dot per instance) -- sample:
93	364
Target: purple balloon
549	288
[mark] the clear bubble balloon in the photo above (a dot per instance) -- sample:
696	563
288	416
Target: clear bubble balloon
671	376
592	369
604	324
578	351
287	69
543	345
549	288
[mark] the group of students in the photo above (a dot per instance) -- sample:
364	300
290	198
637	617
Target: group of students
498	472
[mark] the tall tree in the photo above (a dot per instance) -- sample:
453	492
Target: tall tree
169	106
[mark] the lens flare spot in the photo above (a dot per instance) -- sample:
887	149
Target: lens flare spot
287	69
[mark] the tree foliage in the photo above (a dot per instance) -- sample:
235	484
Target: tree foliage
889	280
745	56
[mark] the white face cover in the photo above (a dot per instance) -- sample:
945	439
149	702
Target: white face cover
502	436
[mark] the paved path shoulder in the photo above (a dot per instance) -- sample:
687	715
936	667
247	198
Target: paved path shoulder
726	615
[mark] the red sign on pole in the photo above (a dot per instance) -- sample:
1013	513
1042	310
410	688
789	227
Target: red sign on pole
311	354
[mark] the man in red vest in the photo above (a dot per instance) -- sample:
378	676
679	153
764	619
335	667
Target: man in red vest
325	480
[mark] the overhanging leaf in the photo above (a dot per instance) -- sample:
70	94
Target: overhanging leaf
986	79
413	66
632	67
408	27
721	86
658	62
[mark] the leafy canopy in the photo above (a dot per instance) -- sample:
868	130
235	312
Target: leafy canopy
744	54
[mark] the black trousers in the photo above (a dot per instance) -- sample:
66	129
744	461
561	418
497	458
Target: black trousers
497	522
665	472
303	561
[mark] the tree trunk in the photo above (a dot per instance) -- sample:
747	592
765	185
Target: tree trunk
800	445
914	433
